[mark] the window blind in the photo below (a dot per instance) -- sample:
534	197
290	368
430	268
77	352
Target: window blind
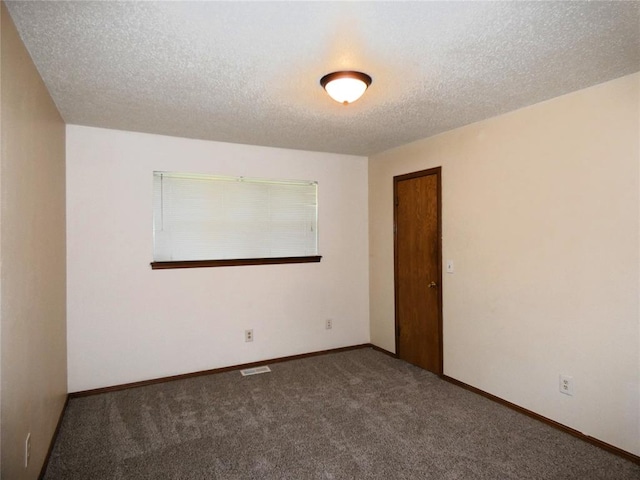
202	217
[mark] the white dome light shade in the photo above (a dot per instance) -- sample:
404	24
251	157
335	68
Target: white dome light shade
345	87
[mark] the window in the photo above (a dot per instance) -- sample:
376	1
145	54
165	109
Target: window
203	220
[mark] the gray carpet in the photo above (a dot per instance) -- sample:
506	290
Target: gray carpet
352	415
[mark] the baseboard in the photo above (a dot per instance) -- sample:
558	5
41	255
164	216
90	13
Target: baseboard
382	350
43	470
125	386
594	441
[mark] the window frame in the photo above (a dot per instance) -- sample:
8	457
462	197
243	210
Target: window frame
233	262
226	262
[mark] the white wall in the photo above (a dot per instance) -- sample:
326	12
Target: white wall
541	216
127	322
32	260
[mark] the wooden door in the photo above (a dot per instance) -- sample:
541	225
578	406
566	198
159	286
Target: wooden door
418	269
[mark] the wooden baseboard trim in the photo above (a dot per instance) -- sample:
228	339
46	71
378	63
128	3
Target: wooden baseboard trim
382	350
594	441
45	464
125	386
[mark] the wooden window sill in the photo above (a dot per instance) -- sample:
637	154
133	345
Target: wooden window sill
233	262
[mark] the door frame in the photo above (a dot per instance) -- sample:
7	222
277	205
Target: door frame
437	171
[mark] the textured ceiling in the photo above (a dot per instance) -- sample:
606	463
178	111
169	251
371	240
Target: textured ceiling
249	72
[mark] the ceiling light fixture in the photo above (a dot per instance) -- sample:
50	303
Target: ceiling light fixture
345	87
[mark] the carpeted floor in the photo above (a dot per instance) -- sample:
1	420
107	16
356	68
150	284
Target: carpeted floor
353	415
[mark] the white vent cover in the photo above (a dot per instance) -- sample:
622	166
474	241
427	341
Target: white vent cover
254	371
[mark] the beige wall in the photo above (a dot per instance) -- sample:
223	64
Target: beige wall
129	323
32	260
541	217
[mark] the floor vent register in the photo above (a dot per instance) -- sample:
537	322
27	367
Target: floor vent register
254	371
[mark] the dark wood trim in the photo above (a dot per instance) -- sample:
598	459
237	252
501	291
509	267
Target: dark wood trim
143	383
382	350
396	324
45	464
594	441
440	283
234	262
396	179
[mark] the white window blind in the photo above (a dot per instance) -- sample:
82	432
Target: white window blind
201	217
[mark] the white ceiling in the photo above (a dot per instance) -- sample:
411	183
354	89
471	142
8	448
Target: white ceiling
248	72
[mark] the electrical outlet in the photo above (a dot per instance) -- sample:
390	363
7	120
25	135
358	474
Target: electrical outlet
329	324
566	385
27	450
248	335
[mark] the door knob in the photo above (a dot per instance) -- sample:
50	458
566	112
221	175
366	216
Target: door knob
433	285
